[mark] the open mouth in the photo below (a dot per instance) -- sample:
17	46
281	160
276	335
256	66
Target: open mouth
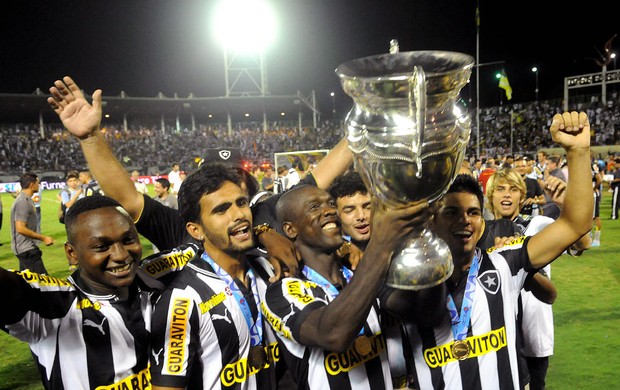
463	234
330	226
241	232
363	229
120	269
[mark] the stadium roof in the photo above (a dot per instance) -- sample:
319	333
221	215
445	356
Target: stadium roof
27	107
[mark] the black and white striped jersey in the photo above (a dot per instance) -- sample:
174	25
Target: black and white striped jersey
201	339
286	305
493	358
81	340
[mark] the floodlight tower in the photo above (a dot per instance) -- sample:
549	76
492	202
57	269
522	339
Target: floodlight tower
245	29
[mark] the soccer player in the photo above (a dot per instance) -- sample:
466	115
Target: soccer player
327	320
353	204
207	328
90	330
475	345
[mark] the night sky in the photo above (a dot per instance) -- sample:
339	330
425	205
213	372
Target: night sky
145	47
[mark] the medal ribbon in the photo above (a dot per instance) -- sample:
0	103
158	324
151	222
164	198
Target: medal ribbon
460	323
330	288
320	280
255	327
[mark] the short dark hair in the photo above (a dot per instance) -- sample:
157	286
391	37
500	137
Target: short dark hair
88	203
207	179
164	182
286	202
27	178
467	183
347	184
73	175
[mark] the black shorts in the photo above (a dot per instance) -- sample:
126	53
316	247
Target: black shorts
32	260
597	205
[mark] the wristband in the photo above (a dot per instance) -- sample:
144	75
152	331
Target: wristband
262	228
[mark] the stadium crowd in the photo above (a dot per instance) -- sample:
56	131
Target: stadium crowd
152	151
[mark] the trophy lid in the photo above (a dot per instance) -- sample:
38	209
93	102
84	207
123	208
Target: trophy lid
401	64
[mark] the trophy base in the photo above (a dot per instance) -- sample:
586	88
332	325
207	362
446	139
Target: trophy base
425	261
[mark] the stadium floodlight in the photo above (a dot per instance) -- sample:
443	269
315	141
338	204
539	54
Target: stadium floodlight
244	26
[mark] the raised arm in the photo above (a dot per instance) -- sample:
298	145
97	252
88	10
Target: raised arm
334	164
572	132
83	120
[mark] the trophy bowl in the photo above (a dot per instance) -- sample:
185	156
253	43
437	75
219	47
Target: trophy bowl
408	135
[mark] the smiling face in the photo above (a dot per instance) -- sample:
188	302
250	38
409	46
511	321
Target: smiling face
354	213
106	245
313	220
460	224
225	221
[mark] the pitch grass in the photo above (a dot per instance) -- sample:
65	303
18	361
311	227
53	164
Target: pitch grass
586	313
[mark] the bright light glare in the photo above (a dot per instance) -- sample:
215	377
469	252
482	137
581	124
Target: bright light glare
244	25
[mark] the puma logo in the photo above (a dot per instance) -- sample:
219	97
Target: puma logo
221	317
95	325
156	356
286	317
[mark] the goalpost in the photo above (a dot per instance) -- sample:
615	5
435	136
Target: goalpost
299	160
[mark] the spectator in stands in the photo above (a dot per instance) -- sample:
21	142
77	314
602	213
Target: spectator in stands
477	168
489	169
25	233
140	186
541	163
532	169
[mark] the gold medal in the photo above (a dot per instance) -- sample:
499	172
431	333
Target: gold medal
460	350
363	345
257	358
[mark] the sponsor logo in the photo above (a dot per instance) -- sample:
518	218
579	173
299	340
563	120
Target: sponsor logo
87	303
95	325
212	302
169	262
296	289
239	371
178	317
138	381
478	346
276	322
42	280
336	363
517	241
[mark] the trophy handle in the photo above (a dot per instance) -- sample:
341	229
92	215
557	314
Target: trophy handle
417	98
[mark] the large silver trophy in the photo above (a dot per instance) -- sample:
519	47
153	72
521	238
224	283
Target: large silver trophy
408	135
